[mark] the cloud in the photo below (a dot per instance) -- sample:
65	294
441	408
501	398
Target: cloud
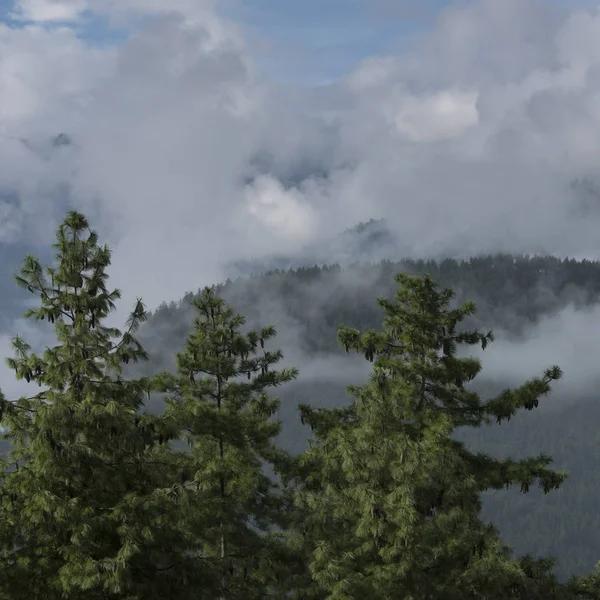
443	115
285	212
50	10
44	74
187	157
567	339
46	78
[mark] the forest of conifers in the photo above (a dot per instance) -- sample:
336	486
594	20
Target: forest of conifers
289	435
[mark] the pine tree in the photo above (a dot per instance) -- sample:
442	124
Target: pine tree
86	507
587	587
391	500
218	401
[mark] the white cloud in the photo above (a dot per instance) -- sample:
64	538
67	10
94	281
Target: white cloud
371	72
284	214
43	72
46	80
567	339
442	115
50	10
465	142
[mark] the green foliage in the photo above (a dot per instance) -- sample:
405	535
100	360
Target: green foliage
85	506
512	293
96	502
219	404
391	500
588	586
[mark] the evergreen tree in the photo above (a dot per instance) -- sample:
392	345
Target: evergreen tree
219	402
86	507
391	501
588	586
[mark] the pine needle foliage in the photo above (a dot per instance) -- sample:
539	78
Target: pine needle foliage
218	401
97	503
587	587
391	500
85	506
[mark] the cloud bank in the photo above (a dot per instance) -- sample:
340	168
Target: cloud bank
187	157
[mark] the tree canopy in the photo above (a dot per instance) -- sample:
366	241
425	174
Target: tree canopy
102	499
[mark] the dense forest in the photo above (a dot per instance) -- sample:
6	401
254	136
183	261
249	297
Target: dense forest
512	294
289	435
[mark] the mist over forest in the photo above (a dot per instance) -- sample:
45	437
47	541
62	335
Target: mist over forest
543	311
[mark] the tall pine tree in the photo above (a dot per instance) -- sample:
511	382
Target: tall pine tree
86	505
390	499
218	401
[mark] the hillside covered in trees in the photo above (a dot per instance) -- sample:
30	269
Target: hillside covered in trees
173	459
512	294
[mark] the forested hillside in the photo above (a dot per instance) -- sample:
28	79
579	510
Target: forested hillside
170	459
512	294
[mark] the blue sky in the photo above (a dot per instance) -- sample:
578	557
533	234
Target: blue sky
322	39
319	40
348	30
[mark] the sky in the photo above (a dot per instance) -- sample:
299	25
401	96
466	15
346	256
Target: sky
203	132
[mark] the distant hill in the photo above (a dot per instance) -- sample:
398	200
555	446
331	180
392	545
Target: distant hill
369	241
513	293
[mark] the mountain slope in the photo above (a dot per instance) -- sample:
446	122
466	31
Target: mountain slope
513	293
